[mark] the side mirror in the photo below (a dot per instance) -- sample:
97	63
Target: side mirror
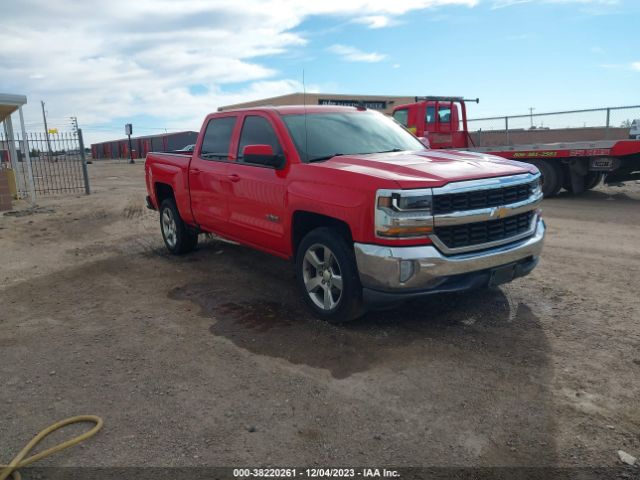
261	155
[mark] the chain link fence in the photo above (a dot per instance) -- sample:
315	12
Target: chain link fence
611	123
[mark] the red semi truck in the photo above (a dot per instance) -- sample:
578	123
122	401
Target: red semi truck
366	212
574	166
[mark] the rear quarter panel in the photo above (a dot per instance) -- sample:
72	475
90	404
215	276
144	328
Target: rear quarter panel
173	170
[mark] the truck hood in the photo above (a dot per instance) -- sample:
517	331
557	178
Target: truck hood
428	168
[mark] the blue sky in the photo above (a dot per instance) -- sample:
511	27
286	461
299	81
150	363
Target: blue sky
162	64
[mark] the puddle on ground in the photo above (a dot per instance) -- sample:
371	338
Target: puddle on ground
285	329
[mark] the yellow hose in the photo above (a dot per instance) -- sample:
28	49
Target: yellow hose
19	461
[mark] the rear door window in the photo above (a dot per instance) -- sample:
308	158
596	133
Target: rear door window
217	138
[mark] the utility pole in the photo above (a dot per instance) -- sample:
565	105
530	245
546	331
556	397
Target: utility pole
531	109
83	157
128	129
46	131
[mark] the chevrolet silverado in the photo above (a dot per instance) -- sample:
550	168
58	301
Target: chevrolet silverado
367	213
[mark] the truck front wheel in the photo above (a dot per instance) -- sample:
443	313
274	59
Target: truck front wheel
328	276
178	238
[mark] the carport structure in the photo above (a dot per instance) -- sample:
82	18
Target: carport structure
8	105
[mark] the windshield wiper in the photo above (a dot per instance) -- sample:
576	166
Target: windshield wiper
326	157
391	151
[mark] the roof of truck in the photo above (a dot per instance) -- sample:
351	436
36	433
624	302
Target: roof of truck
298	109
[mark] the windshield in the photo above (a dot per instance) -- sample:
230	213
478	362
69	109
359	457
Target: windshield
324	135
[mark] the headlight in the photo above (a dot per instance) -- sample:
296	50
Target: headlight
536	187
403	213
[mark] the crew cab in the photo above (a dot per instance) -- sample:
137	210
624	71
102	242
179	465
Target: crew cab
365	211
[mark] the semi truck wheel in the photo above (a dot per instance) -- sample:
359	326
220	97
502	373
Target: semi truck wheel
552	177
591	180
328	276
177	237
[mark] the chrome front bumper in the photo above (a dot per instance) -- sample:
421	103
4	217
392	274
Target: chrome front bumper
424	269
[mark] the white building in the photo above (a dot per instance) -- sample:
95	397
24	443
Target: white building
9	104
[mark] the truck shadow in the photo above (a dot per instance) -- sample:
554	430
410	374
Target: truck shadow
476	354
254	301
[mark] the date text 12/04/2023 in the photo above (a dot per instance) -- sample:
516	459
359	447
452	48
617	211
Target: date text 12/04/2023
315	473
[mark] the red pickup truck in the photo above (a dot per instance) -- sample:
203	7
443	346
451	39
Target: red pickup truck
367	213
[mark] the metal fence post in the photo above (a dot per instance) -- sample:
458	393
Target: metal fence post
21	182
85	172
608	122
506	129
27	158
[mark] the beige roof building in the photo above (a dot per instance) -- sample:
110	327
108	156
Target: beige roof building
384	103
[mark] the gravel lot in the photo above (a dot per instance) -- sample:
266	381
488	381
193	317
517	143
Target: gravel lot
212	359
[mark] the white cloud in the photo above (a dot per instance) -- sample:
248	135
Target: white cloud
509	3
621	66
375	21
352	54
175	61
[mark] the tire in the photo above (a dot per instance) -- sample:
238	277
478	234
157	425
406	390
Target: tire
178	238
591	180
552	177
323	257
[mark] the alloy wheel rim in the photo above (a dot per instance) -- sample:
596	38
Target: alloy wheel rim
169	227
322	277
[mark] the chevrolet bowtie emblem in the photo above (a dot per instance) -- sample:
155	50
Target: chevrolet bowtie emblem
499	212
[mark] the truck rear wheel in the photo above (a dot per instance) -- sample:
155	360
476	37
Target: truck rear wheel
328	276
552	177
178	238
591	180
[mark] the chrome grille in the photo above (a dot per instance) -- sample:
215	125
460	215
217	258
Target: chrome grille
477	199
478	233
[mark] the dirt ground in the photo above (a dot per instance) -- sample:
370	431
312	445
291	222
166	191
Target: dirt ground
212	358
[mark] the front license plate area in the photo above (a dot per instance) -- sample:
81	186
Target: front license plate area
502	275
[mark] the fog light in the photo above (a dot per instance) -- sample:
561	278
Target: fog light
406	270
